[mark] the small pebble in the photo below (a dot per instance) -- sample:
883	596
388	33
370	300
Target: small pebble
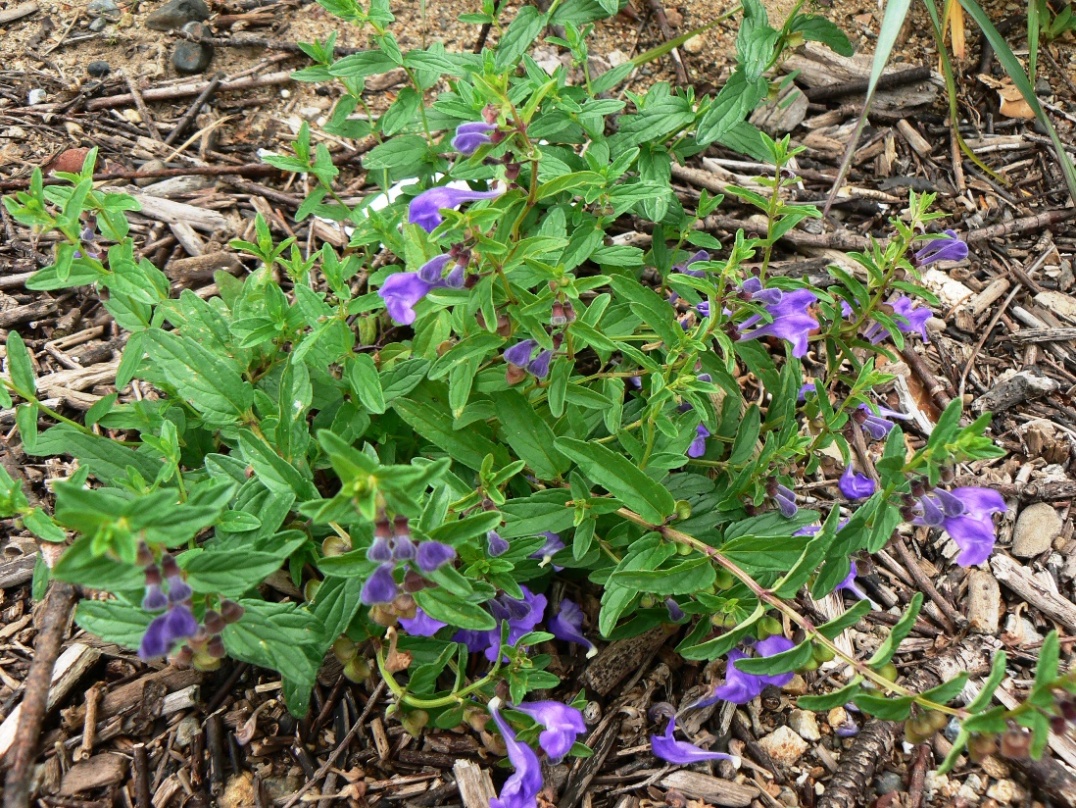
186	730
805	725
98	24
784	746
887	783
192	57
1036	528
98	68
36	96
176	14
104	8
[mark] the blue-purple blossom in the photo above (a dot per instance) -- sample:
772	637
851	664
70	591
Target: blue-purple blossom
676	614
849	584
401	293
522	617
154	599
425	209
855	485
380	587
553	545
562	724
539	366
877	426
469	136
966	514
178	589
948	248
740	687
567	625
701	255
166	630
495	544
667	748
753	290
909	319
785	498
432	555
792	321
421	625
520	353
457	277
521	789
403	548
698	445
431	271
380	552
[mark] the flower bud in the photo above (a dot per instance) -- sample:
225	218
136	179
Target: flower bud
357	670
344	648
382	615
231	611
213	622
215	648
981	746
1015	744
414	721
1068	709
183	658
334	546
204	662
310	589
404	605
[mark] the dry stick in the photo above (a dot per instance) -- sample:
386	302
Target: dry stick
17	13
859	86
141	776
339	750
936	388
192	112
259	42
56	610
918	777
982	340
143	110
1028	223
185	90
666	32
952	617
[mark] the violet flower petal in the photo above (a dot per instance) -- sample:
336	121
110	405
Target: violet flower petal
667	748
432	555
401	292
949	248
495	544
521	789
539	366
562	724
470	136
421	625
567	625
792	321
430	272
154	600
520	353
698	445
855	485
425	209
380	587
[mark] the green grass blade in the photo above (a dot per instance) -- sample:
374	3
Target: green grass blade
1011	65
895	13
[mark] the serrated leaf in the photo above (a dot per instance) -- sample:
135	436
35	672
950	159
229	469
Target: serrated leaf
212	384
784	662
363	380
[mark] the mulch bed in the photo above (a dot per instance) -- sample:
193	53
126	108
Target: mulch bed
116	732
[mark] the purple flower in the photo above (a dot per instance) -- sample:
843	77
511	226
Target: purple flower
430	272
740	687
539	366
401	292
379	587
792	321
785	498
432	555
421	625
495	544
849	584
178	589
701	255
520	353
425	209
676	614
164	631
698	445
457	278
521	789
915	318
403	549
948	248
521	615
567	625
876	425
154	600
753	290
682	752
966	515
553	545
380	551
469	136
562	724
855	485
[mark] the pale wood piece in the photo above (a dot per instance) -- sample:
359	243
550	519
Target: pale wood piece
1058	303
920	145
69	668
984	603
711	789
172	212
1034	590
100	770
188	238
476	787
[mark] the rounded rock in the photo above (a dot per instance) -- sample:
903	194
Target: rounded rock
192	57
784	746
104	8
176	14
98	68
1036	528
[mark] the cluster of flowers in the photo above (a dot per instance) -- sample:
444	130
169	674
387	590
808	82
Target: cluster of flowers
393	546
178	623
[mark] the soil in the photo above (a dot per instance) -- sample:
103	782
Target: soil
229	743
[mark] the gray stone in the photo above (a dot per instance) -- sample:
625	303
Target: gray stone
98	24
887	783
104	8
1036	528
192	57
176	14
98	68
784	746
805	725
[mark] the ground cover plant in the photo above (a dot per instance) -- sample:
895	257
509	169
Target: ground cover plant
531	379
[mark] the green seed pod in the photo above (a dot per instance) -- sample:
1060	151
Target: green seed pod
724	579
344	649
310	589
357	669
413	721
889	671
822	654
768	627
918	729
683	509
367	330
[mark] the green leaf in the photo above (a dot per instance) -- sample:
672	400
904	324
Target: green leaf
448	608
819	29
901	630
114	621
835	626
650	307
993	681
887	709
107	460
517	40
211	384
837	698
735	101
274	472
335	606
692	575
944	693
783	662
231	573
530	437
466	446
360	372
20	365
399	152
621	478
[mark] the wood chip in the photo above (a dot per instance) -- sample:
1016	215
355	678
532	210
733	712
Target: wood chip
711	789
1034	589
98	771
476	787
984	602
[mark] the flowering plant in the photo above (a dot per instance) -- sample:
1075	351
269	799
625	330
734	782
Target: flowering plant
535	404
